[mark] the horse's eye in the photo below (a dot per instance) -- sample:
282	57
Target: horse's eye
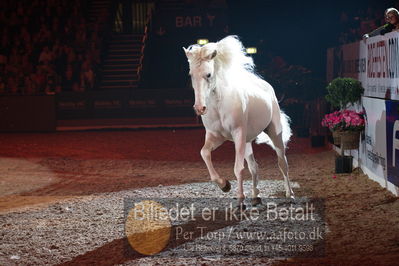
208	75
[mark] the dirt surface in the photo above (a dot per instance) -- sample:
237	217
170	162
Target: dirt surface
61	196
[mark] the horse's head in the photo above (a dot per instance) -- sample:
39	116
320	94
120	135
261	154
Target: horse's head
202	70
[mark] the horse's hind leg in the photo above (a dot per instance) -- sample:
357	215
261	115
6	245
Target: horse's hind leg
211	143
277	138
253	169
239	136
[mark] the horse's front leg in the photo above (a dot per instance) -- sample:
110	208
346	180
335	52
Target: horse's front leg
212	142
239	137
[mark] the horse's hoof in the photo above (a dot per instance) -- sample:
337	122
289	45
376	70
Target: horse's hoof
290	195
227	187
256	201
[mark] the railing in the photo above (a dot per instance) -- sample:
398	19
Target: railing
118	18
130	16
144	40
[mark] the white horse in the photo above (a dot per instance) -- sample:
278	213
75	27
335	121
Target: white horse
236	105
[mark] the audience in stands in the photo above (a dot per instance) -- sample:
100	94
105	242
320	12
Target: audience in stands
48	46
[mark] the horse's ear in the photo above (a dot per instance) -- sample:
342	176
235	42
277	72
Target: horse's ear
187	52
214	54
211	56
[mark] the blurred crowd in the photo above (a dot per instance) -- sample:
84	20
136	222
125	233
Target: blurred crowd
357	23
48	46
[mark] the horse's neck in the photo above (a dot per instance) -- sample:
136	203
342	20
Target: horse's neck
223	89
214	98
220	93
220	87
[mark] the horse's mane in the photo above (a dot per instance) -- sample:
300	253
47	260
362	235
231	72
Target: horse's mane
232	64
231	55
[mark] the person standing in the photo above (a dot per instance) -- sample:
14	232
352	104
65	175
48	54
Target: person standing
392	24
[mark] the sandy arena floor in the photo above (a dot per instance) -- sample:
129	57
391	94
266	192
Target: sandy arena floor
62	197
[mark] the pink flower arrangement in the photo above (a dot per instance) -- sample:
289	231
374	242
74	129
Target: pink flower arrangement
344	120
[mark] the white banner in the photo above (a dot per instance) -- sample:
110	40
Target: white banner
374	62
382	78
373	151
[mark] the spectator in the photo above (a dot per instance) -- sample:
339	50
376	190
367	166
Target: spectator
61	60
3	59
71	56
25	36
14	61
27	67
40	80
77	88
29	87
392	17
44	36
12	85
55	28
46	56
68	79
5	42
80	37
58	83
87	76
2	85
392	24
94	53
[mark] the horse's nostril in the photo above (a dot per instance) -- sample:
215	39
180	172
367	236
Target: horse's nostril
199	109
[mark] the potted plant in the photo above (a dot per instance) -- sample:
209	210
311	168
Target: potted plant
348	124
342	92
345	124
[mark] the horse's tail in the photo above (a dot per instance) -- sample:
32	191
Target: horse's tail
285	123
264	138
286	132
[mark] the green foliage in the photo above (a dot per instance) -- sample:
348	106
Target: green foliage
344	91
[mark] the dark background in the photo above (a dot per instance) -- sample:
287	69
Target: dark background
291	37
299	31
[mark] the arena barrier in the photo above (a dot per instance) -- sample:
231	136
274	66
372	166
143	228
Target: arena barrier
27	113
139	103
374	62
